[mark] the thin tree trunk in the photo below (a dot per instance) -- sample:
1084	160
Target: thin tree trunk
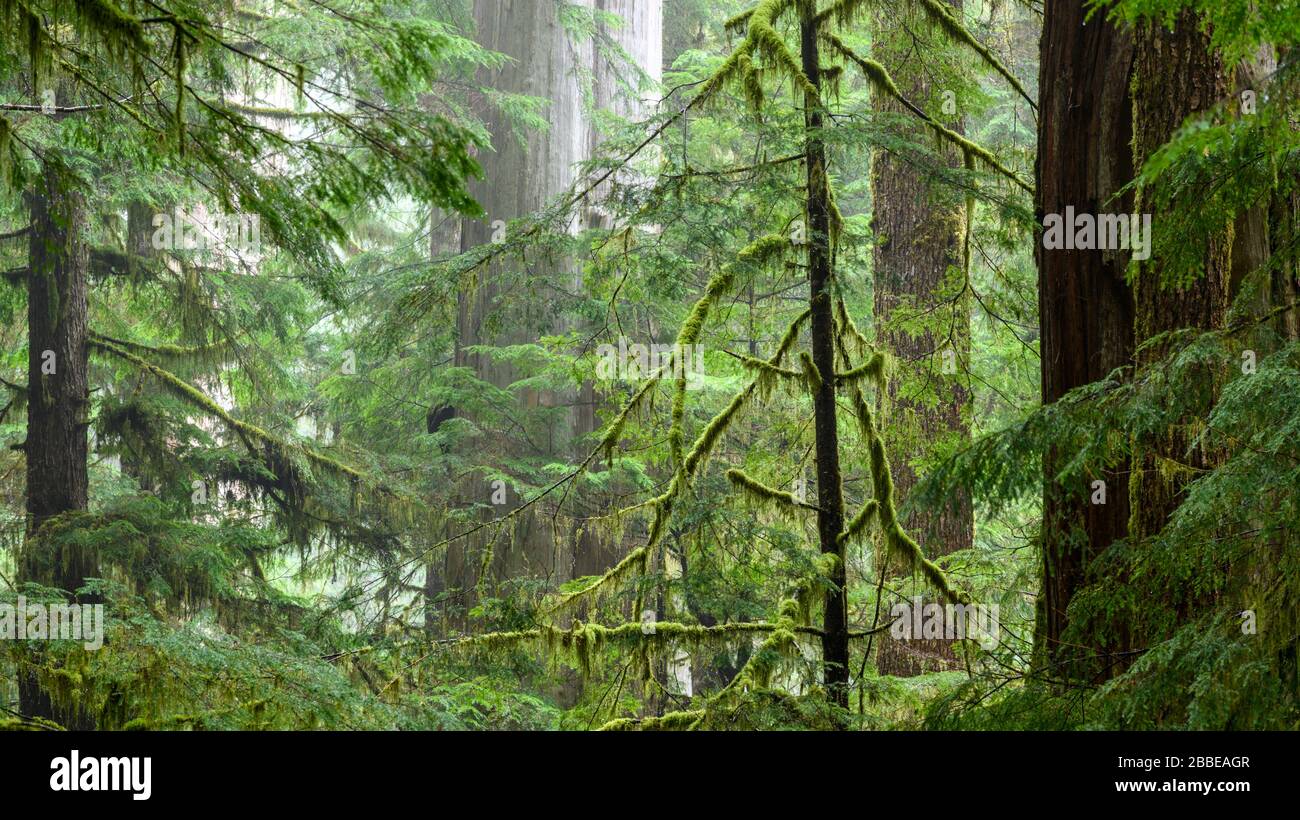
830	498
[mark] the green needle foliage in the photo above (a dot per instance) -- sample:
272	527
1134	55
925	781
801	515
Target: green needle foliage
374	473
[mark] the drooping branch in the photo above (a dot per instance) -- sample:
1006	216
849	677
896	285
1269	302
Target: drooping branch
693	460
761	492
883	83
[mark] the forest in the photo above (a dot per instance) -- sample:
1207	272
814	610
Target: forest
649	365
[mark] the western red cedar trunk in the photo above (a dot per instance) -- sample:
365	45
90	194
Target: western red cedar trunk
1175	75
830	499
1284	284
1283	223
921	232
58	401
1085	304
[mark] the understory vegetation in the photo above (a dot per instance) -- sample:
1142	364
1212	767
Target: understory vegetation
634	365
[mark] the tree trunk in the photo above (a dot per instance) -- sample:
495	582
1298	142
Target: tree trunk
59	401
520	177
921	235
1085	305
830	498
641	38
1175	75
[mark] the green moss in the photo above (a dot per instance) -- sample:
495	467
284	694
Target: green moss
941	16
899	543
873	368
669	722
859	522
761	38
884	84
783	502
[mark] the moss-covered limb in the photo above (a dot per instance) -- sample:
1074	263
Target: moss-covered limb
764	366
873	368
166	351
738	22
846	325
879	78
120	32
637	561
634	561
859	522
898	542
760	251
790	336
582	642
633	632
811	374
16	722
274	113
704	444
843	11
614	431
941	16
757	671
690	465
249	432
757	252
708	438
765	494
677	420
669	722
761	38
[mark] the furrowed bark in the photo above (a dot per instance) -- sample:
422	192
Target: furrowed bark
1085	305
58	406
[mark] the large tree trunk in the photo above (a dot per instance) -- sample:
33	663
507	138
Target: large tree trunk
921	232
830	497
58	401
1085	306
1175	75
640	37
520	177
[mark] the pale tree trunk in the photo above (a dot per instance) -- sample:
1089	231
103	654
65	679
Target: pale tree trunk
615	89
523	171
920	243
520	179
